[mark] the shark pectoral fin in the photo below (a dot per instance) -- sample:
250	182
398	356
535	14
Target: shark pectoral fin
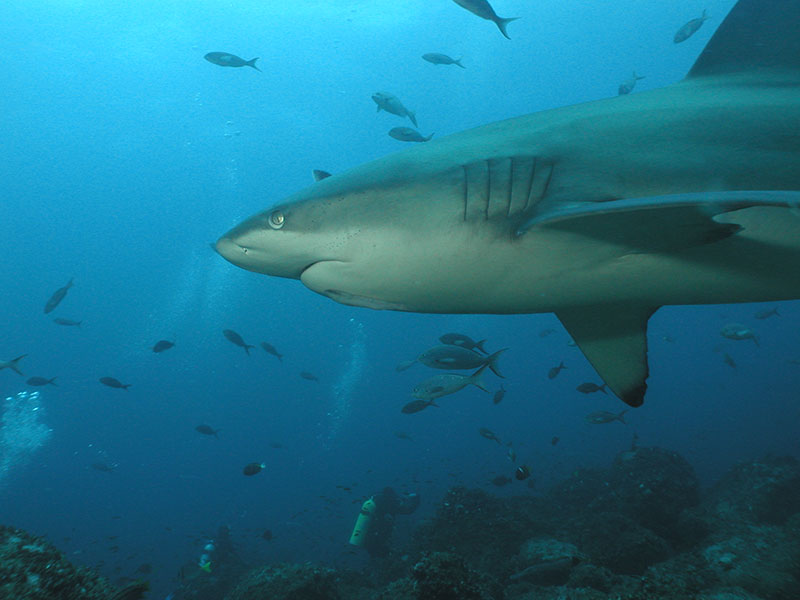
614	340
660	223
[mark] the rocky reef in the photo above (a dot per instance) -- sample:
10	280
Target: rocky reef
32	569
638	530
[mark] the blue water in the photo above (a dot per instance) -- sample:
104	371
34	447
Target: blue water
125	154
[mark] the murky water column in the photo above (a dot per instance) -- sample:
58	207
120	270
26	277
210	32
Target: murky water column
346	385
21	431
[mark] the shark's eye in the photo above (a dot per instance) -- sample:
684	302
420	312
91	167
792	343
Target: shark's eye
276	219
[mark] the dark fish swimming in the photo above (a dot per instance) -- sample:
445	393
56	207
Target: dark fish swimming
66	322
319	174
459	339
501	480
522	472
114	383
309	376
737	331
626	87
224	59
603	416
406	134
39	381
767	313
253	468
12	364
270	349
441	59
417	405
588	388
553	373
236	339
689	29
207	430
105	468
489	435
484	10
162	345
57	297
499	395
391	104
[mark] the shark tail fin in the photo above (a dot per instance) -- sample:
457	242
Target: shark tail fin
413	117
427	139
621	417
458	62
503	23
252	63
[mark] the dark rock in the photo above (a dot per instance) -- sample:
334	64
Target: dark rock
445	576
764	491
287	582
615	541
591	576
33	569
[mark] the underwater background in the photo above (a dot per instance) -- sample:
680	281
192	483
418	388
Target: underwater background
125	154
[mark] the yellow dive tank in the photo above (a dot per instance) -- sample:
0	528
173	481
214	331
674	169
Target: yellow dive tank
363	522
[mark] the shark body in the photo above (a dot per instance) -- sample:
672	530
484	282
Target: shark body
600	212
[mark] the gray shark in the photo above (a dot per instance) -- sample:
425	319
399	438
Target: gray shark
600	212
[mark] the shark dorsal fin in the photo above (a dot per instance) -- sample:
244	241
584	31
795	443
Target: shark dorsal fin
756	34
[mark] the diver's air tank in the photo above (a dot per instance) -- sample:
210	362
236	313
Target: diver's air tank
363	522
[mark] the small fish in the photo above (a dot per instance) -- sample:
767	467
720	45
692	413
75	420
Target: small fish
162	345
499	395
501	480
442	385
406	364
319	174
270	349
626	87
553	373
267	535
737	331
767	313
66	322
402	435
114	383
454	357
417	405
57	297
602	416
484	10
207	430
236	339
728	360
459	339
511	454
545	332
309	376
489	435
391	104
12	364
555	440
99	466
441	59
253	468
588	388
522	472
689	29
224	59
37	381
406	134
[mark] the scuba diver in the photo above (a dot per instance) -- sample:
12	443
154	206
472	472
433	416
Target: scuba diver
375	522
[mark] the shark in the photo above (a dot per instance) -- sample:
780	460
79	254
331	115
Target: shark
600	212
